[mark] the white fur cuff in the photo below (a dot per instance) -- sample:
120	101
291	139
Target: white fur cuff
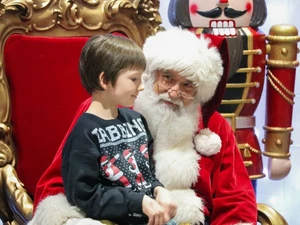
207	143
55	210
85	221
189	207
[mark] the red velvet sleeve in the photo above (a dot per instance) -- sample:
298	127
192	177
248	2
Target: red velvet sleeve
51	182
233	195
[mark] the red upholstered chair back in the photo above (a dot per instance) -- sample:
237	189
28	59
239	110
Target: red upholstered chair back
45	94
40	88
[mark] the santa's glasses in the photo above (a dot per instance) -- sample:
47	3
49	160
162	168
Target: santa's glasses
167	80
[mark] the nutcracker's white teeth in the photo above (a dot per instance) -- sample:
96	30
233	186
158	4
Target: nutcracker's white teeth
223	27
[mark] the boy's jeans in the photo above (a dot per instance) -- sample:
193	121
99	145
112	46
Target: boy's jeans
171	222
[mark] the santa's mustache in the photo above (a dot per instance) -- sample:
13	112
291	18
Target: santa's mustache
216	12
166	97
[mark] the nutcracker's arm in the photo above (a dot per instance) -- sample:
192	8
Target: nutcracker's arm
282	62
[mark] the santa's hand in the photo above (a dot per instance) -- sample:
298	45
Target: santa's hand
164	198
83	221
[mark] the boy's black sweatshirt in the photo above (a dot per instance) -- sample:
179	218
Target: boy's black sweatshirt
107	167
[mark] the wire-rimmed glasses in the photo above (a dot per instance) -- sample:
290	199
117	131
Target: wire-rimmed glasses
167	81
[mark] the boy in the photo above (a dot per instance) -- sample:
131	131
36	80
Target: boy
107	166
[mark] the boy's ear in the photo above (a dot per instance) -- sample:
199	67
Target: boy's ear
103	83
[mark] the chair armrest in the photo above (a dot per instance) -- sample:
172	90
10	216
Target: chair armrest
269	216
15	201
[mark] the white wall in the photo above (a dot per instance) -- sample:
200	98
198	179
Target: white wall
284	195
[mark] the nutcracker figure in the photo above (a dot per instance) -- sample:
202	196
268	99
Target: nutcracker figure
238	21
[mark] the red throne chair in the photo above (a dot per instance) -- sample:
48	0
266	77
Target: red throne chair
40	89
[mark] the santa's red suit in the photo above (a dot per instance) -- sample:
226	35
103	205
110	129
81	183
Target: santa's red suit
207	178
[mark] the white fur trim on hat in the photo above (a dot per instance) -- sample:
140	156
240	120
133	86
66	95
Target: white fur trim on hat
55	210
190	56
207	143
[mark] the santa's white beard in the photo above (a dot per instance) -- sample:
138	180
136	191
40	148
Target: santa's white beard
173	130
176	161
169	126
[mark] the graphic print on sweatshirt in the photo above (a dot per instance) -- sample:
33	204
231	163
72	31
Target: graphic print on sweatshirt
124	155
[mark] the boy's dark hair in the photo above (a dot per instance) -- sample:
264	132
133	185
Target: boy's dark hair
109	54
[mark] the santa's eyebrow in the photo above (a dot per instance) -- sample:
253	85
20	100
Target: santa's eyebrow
167	72
190	82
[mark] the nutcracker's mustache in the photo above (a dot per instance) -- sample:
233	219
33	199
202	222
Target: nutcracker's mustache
216	12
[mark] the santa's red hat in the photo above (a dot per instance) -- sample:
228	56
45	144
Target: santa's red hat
197	58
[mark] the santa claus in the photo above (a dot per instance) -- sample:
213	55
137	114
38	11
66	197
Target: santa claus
195	150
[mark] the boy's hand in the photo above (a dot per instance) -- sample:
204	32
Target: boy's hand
164	198
156	213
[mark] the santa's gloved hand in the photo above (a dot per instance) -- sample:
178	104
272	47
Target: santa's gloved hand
83	221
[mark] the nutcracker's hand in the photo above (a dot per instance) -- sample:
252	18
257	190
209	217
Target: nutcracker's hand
278	168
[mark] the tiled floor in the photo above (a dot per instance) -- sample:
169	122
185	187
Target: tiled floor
283	195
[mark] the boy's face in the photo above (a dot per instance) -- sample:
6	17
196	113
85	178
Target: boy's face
127	87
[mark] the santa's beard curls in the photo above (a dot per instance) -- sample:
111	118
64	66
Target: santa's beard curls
170	124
